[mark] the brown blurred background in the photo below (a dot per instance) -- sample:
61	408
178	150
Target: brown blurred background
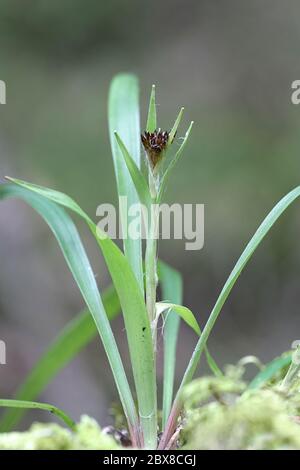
231	64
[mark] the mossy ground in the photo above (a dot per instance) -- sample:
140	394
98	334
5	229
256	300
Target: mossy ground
88	436
220	413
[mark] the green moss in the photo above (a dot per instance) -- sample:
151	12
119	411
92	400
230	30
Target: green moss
220	414
90	436
54	437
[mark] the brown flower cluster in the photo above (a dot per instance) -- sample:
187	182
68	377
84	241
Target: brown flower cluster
154	144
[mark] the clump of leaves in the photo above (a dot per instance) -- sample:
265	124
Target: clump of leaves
128	268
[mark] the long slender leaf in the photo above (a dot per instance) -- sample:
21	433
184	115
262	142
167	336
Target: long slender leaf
152	120
291	374
172	164
137	176
173	131
124	118
40	406
257	238
135	314
250	249
66	234
171	284
68	343
270	371
212	363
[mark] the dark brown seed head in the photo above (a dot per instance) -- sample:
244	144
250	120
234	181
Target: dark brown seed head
154	144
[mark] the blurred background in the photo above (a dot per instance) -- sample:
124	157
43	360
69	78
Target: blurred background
231	64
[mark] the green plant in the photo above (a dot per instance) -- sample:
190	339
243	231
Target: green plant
128	269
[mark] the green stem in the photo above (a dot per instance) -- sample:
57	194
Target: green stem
151	256
150	423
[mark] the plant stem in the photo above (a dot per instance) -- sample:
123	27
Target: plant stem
151	276
170	425
150	424
151	256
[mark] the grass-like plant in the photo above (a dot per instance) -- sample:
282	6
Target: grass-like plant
135	273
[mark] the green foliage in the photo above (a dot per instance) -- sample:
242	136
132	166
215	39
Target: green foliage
134	311
76	258
124	120
140	308
250	249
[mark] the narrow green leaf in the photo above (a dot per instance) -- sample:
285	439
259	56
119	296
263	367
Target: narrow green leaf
173	131
171	285
67	236
134	310
255	241
270	371
124	118
70	341
172	164
137	176
292	373
151	120
187	315
67	344
257	238
40	406
212	363
184	312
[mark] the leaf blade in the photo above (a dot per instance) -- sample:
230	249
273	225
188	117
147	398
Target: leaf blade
185	313
152	119
65	346
174	129
66	234
123	117
136	319
269	371
171	285
173	163
137	176
249	250
40	406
